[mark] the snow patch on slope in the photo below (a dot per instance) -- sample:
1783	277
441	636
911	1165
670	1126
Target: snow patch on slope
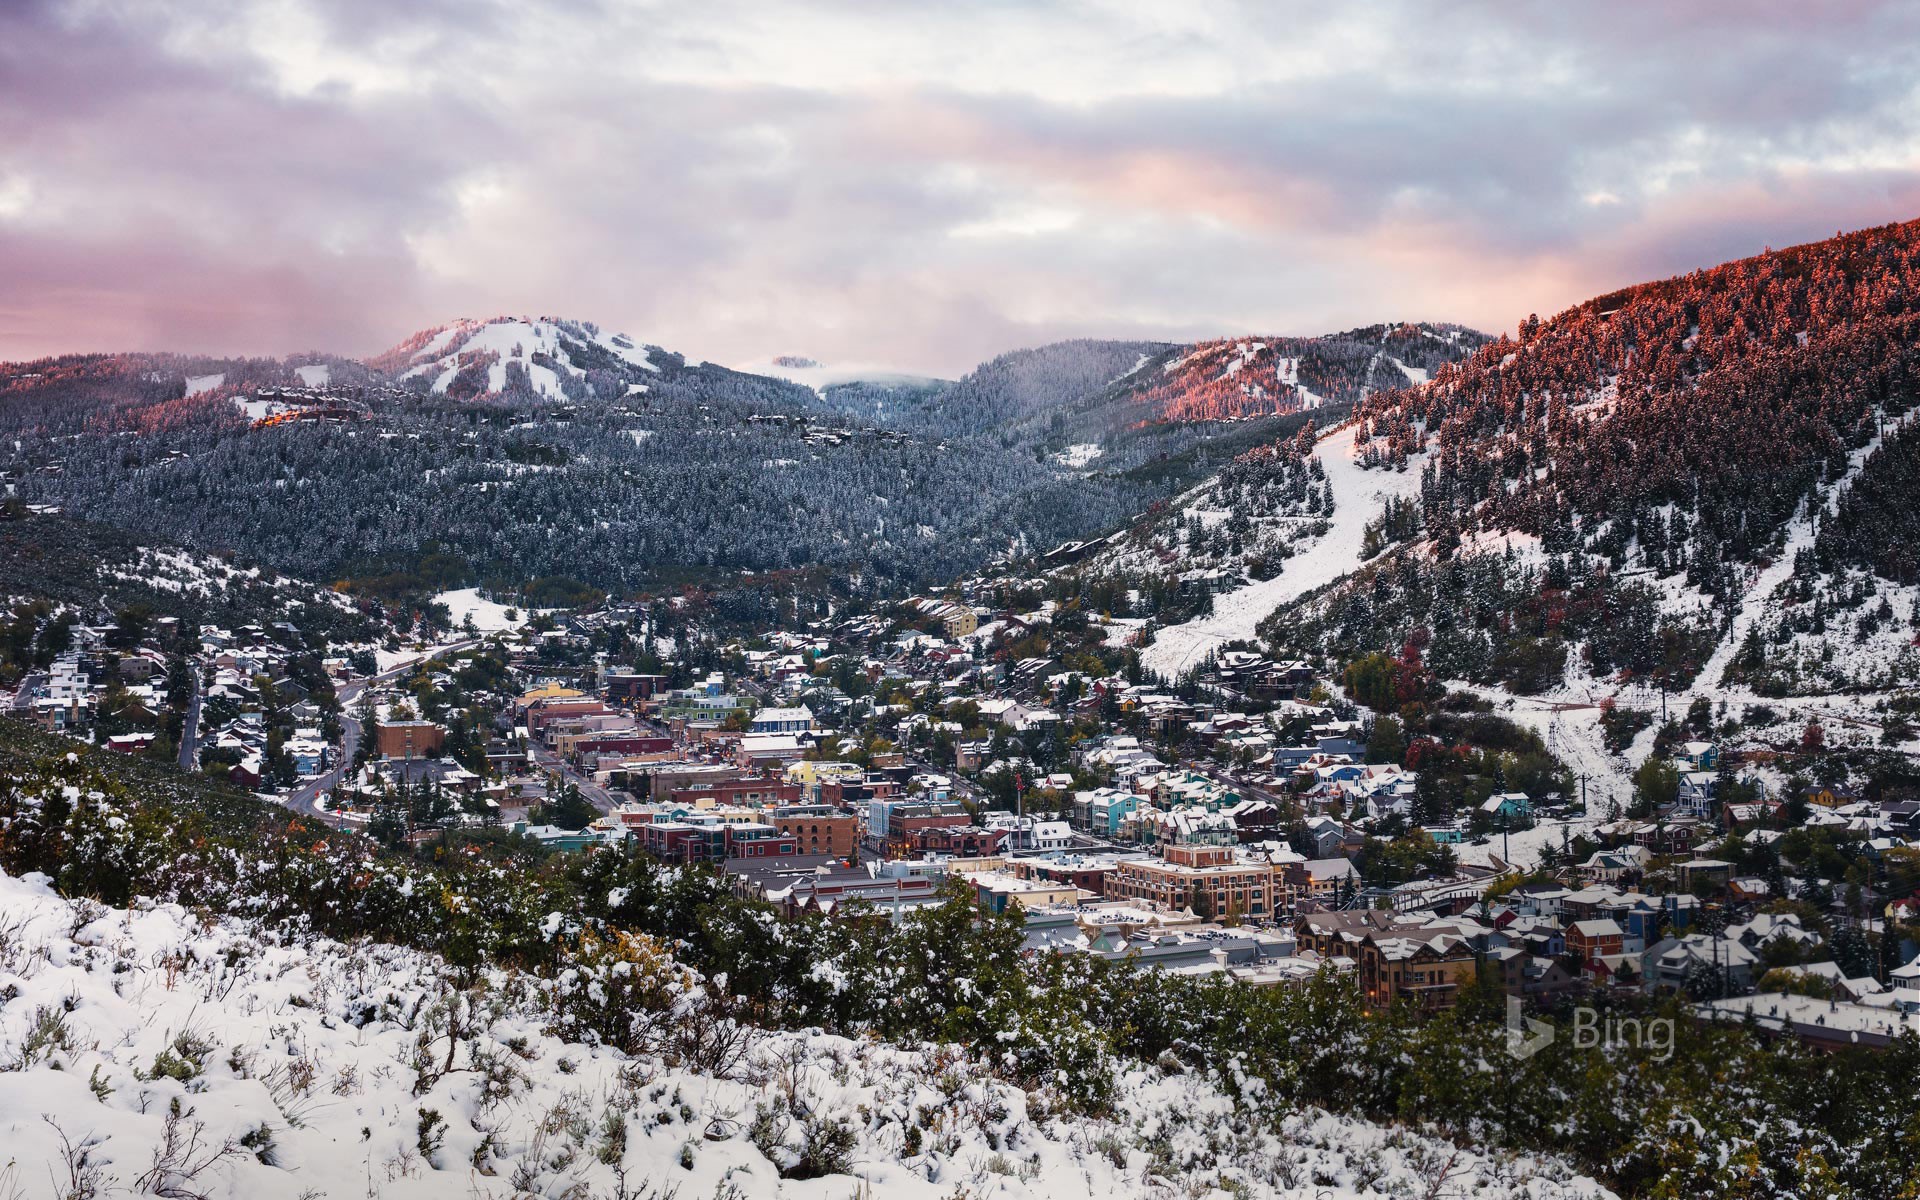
1130	372
487	616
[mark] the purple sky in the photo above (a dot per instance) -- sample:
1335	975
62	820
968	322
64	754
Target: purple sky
915	185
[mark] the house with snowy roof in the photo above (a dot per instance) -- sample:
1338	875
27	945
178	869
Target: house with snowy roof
1668	963
1511	807
1694	795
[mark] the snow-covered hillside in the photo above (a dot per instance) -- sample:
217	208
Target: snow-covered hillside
189	572
1358	497
467	606
158	1051
196	384
486	357
91	572
1238	378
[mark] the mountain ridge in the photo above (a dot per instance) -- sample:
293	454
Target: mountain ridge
513	426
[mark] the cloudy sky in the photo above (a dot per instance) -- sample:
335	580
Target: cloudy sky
914	184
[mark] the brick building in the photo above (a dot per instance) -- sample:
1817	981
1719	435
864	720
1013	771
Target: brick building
746	791
817	828
904	820
1425	961
958	841
1212	880
629	686
696	841
408	739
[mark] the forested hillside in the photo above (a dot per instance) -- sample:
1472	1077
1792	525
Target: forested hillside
1698	482
1723	396
1121	407
56	571
516	449
1245	377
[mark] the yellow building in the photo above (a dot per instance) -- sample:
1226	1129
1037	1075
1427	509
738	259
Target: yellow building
810	775
996	891
551	691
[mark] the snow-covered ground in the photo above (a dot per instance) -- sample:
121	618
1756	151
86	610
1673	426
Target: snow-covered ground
157	1051
1078	455
487	617
1567	719
253	408
518	340
1756	601
197	384
315	375
1358	497
1417	374
1130	372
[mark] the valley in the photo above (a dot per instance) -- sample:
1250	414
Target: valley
1100	746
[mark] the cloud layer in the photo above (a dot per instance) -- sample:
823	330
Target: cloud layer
925	185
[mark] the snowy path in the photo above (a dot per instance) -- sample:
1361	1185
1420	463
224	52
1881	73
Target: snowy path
1358	496
1799	537
1568	721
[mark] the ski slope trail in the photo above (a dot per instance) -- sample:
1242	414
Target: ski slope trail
1358	497
1760	589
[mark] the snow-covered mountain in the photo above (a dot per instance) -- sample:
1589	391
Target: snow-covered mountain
1237	378
544	357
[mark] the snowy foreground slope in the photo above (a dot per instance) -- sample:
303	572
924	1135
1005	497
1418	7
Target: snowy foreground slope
156	1051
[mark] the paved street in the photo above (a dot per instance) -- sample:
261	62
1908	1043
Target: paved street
596	795
190	730
305	798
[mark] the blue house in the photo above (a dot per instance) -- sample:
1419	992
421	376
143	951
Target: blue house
782	720
1698	756
1508	806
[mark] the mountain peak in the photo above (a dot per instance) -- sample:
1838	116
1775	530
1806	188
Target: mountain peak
539	356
